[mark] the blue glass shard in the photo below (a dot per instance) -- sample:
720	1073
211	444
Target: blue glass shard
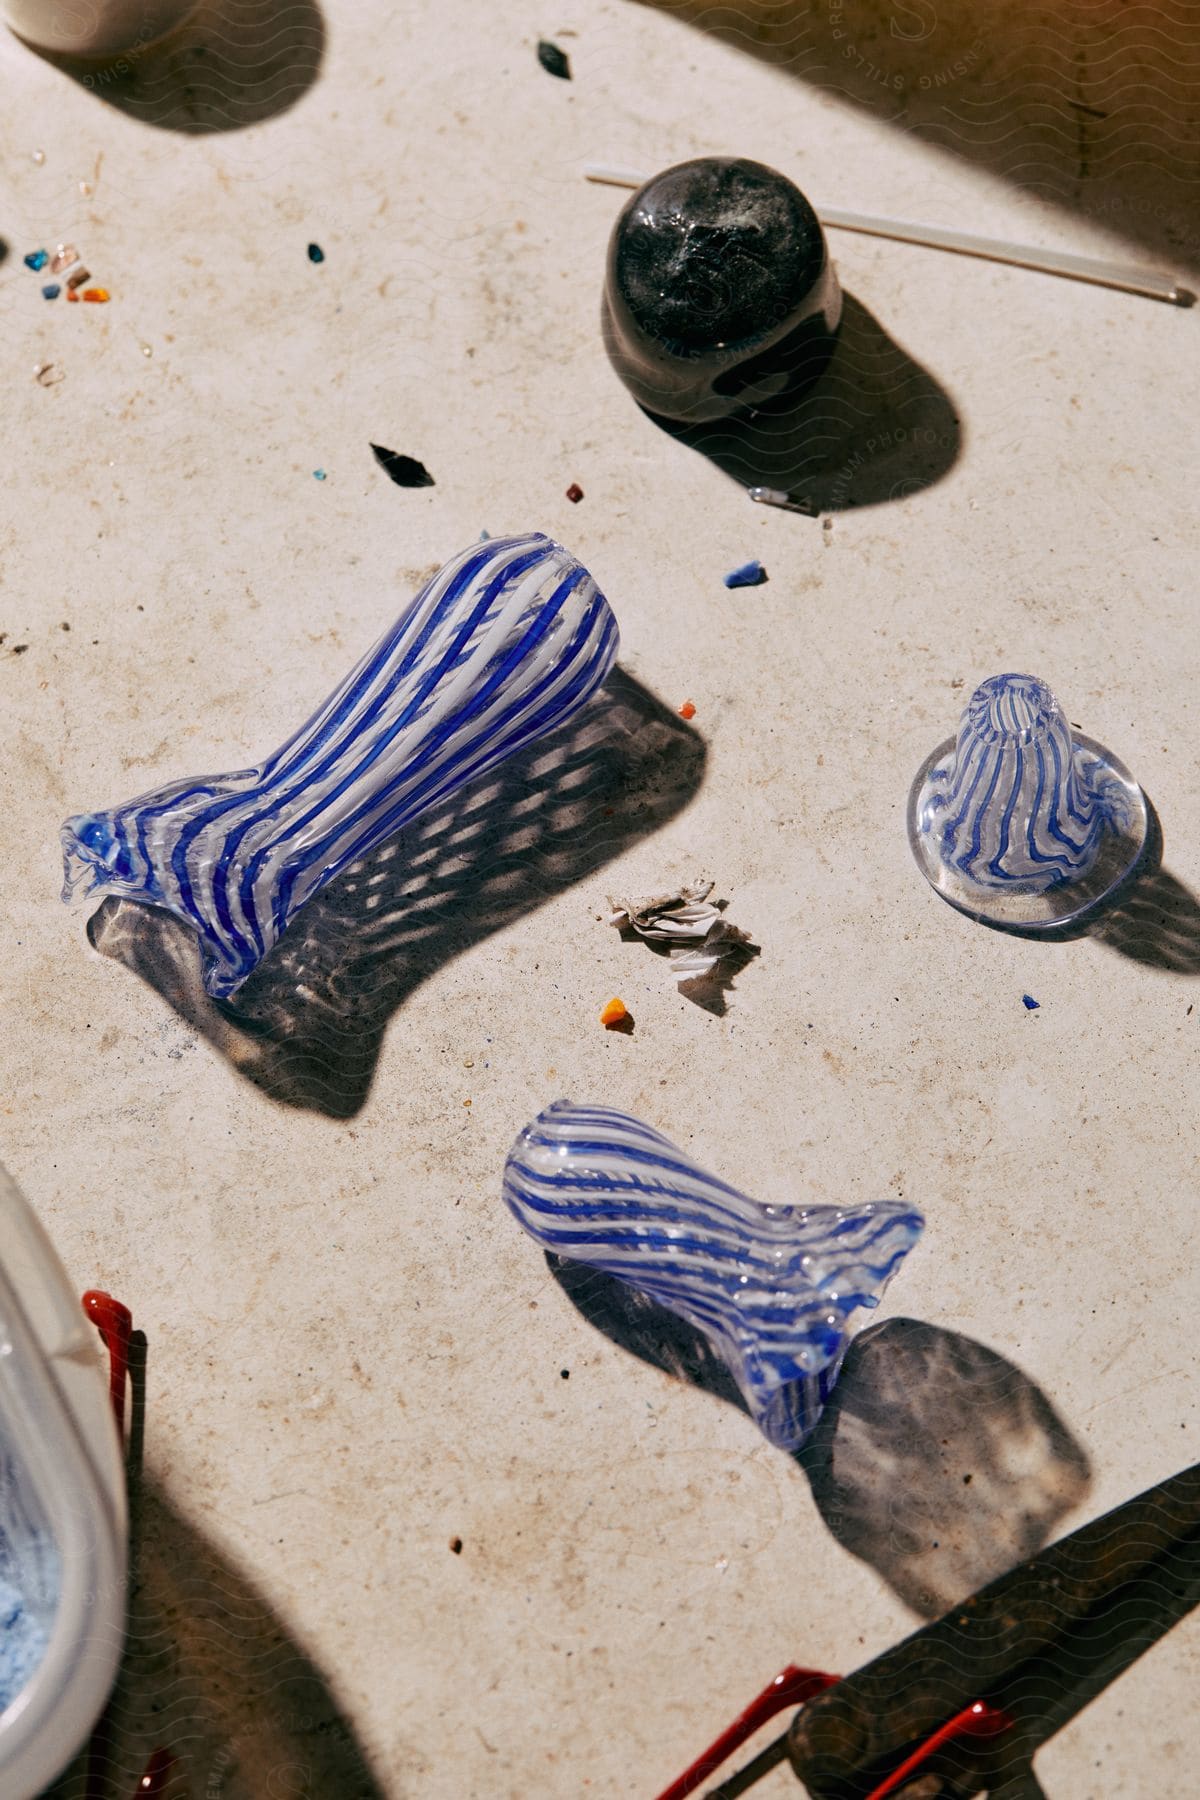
751	574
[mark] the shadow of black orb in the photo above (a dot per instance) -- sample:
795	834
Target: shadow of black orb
874	428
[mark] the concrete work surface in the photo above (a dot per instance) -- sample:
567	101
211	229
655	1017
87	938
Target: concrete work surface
418	1518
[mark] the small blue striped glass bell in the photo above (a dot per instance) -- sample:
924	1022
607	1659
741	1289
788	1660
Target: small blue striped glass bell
1019	820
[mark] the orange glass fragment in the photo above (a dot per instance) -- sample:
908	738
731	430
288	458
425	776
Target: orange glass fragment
687	710
615	1013
97	294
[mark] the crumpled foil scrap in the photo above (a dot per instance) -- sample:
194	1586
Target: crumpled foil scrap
684	917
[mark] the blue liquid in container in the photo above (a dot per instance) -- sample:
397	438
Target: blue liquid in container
29	1583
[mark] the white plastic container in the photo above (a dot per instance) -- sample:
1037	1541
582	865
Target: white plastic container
95	28
63	1522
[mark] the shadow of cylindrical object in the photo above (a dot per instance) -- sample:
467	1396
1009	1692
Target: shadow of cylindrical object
720	294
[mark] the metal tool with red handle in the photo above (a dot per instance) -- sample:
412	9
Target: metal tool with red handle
961	1706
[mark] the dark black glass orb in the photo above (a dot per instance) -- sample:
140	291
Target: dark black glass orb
720	294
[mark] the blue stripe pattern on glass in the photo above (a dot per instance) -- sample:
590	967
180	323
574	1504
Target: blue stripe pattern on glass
1018	806
502	645
771	1287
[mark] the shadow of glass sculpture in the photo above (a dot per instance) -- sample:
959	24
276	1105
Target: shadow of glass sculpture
940	1463
936	1461
772	1288
1151	917
1156	921
502	645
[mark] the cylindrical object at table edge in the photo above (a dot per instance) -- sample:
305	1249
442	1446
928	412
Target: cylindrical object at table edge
63	1516
97	29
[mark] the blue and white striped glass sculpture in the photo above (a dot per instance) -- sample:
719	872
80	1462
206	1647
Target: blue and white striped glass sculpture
771	1287
1019	820
502	645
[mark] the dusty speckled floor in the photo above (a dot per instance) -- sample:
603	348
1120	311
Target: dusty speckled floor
354	1355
